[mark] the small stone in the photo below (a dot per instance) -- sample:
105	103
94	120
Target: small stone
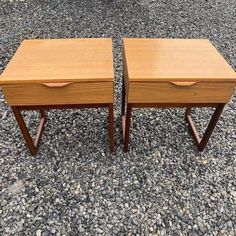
163	232
38	232
233	193
81	229
99	230
78	188
201	227
205	162
151	229
230	224
195	227
17	187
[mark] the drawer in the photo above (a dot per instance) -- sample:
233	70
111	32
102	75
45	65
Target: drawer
180	92
58	93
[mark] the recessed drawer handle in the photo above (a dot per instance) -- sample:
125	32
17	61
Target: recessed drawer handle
184	83
55	85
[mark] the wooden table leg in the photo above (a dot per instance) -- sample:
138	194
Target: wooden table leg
123	98
123	110
40	128
202	142
111	127
126	119
127	126
33	145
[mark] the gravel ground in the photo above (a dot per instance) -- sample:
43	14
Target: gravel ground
74	186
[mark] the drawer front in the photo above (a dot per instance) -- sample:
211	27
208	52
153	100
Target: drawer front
58	93
180	92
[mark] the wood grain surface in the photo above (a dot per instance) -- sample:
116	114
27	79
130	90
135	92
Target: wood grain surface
74	93
60	60
176	60
167	92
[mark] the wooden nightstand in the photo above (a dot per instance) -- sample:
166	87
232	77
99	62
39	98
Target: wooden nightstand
175	73
57	74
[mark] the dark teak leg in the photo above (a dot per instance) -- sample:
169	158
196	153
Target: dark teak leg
123	98
40	128
202	142
127	126
33	145
111	127
123	110
126	119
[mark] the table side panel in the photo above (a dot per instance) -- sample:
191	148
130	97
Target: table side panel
76	93
166	92
125	76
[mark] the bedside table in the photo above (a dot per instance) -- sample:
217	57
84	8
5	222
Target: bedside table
175	73
57	74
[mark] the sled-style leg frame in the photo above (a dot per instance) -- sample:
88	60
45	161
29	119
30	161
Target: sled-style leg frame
33	144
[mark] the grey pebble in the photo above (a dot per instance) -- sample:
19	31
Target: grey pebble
38	232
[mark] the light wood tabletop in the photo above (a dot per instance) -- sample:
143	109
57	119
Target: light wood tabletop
175	60
61	60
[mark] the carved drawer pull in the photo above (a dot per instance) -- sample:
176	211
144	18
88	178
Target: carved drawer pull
55	85
184	83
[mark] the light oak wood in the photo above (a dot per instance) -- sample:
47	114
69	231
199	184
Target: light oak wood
175	60
167	92
60	71
60	60
176	71
73	93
